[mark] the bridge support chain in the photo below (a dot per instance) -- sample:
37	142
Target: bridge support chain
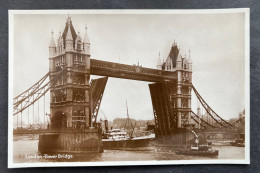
21	97
34	93
212	113
201	122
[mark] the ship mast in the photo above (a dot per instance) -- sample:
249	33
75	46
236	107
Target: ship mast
127	114
128	119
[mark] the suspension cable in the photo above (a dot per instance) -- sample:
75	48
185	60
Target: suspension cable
203	122
37	90
208	109
32	87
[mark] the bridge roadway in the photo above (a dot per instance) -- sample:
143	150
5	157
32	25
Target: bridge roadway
134	72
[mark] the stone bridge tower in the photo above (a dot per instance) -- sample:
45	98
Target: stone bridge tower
69	97
172	98
182	92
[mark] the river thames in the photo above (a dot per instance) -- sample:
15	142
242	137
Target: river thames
25	149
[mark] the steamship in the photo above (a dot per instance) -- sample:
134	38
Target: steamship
120	139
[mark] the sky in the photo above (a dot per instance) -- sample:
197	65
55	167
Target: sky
216	42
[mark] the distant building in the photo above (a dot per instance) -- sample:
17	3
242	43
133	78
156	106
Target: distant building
241	122
121	123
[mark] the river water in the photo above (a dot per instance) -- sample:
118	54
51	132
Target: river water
25	149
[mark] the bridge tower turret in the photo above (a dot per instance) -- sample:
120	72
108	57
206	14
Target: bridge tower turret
189	80
86	42
159	63
190	67
69	38
52	52
52	46
69	97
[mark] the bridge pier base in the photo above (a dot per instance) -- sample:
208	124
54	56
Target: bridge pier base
71	141
181	138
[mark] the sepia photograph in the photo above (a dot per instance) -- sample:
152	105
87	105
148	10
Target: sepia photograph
128	87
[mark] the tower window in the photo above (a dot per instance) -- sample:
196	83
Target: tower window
78	45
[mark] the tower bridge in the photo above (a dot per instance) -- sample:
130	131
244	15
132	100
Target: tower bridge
75	100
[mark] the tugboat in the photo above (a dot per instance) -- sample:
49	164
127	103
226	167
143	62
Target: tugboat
239	142
199	150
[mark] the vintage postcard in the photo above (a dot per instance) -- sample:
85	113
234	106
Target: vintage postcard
128	87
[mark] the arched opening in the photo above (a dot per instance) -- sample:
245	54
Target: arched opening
59	120
139	104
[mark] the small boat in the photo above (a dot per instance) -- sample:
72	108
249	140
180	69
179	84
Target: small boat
206	152
199	150
238	143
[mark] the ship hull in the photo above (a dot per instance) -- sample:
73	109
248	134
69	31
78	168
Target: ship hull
198	153
237	144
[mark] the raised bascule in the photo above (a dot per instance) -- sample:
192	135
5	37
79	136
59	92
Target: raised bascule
75	100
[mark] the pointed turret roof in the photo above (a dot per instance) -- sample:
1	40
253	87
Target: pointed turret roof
69	34
189	58
66	29
86	39
52	42
173	54
174	43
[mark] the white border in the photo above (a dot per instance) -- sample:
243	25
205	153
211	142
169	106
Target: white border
11	13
